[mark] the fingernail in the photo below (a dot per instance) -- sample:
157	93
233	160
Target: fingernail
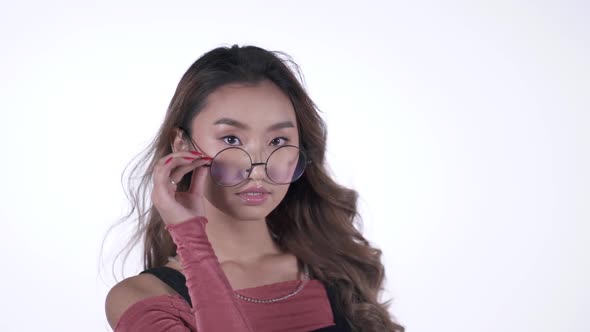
207	158
196	152
168	160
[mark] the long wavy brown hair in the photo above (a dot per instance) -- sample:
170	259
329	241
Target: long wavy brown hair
316	219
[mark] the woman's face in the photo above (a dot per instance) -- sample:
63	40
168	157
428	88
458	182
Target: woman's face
258	119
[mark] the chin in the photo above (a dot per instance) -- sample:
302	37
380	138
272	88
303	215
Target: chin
247	213
242	211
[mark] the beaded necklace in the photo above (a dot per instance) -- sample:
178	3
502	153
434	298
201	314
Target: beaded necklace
302	284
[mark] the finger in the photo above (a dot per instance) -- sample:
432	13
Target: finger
163	169
178	173
180	154
198	181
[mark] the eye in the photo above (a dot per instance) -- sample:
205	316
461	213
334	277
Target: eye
230	139
276	141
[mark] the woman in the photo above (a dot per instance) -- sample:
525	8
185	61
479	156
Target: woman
247	231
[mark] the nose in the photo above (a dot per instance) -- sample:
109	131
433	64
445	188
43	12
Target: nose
258	171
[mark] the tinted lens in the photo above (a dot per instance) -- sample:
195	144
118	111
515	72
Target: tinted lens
285	165
230	167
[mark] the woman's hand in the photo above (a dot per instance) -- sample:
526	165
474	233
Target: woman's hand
176	207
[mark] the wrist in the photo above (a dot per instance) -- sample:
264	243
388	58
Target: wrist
190	220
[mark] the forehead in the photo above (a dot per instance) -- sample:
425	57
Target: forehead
256	105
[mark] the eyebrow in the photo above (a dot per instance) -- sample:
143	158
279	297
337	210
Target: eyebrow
238	124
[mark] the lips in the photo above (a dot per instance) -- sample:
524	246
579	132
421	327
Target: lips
253	190
254	197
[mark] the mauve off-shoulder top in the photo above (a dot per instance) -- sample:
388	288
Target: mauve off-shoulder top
207	303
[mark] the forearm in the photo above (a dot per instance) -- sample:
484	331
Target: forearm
214	305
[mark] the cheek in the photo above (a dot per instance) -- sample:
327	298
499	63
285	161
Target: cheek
221	197
213	193
279	193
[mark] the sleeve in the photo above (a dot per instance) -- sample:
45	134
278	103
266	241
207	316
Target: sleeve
215	306
155	314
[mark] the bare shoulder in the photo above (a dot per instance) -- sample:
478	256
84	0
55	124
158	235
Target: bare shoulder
129	291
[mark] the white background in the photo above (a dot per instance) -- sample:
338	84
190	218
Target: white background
464	125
